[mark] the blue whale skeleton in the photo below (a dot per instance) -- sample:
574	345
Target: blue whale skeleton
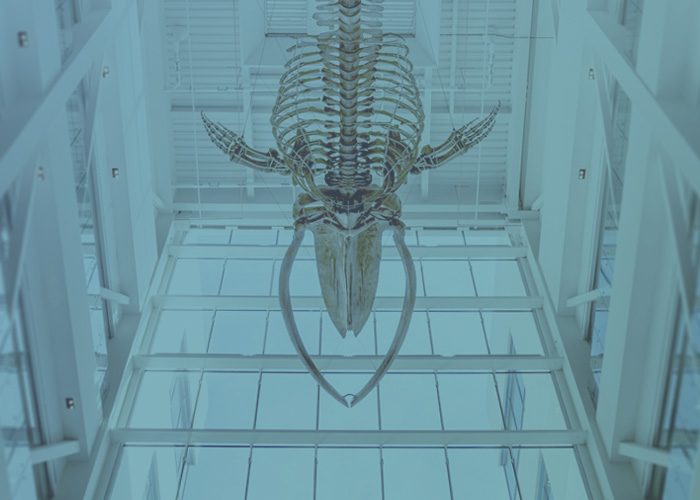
347	122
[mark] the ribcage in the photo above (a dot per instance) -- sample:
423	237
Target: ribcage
348	113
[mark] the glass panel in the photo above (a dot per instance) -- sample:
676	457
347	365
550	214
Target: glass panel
239	332
614	174
68	14
165	400
348	474
680	425
277	341
520	328
354	473
497	278
392	279
196	277
227	401
207	236
447	278
417	339
477	474
533	399
182	331
487	237
247	277
18	415
86	196
281	473
434	238
215	473
399	394
631	17
143	469
456	333
254	237
303	281
415	474
334	416
287	401
351	345
469	402
411	238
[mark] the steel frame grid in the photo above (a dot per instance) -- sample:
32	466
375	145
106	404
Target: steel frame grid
120	434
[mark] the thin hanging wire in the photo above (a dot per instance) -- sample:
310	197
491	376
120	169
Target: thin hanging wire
439	73
193	113
484	81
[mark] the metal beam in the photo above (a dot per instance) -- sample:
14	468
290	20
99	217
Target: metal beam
277	252
54	451
235	362
223	204
481	439
492	220
587	297
645	454
209	302
113	296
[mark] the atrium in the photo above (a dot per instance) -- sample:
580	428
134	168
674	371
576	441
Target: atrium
554	348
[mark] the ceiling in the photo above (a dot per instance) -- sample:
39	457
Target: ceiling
225	57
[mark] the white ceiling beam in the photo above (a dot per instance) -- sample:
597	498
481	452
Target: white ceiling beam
480	439
234	362
413	220
390	252
209	302
258	109
427	208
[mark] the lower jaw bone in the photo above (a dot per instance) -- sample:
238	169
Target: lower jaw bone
361	267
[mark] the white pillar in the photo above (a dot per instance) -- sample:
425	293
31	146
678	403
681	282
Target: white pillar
570	118
57	301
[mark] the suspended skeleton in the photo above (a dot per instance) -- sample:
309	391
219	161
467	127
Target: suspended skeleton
347	122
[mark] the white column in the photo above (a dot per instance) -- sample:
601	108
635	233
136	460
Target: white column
642	307
57	301
570	118
124	144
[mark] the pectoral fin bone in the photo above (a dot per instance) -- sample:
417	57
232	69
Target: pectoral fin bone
459	142
240	152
